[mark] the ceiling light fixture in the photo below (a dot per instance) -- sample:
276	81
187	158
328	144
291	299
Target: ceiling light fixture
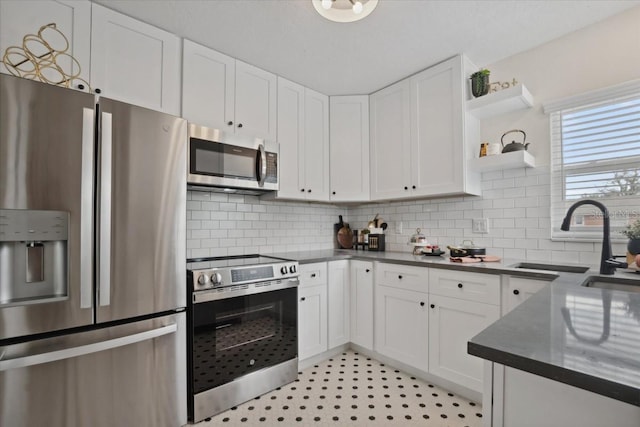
344	10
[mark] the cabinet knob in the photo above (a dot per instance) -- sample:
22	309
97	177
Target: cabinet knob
81	86
413	186
421	303
516	292
98	90
406	188
313	274
229	123
432	306
460	285
367	270
303	298
239	125
309	191
302	190
334	193
399	277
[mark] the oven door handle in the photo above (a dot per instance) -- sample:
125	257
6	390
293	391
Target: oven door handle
261	165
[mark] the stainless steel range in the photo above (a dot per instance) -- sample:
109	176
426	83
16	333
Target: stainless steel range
243	330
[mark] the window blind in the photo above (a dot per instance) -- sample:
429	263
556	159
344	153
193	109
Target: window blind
595	154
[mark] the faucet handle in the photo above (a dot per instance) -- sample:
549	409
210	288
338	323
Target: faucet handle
611	261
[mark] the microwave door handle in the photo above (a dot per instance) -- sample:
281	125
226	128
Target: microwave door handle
106	141
261	165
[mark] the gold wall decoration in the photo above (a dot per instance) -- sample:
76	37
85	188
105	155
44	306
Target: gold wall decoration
42	56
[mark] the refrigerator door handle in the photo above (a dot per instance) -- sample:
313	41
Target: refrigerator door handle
86	209
68	353
105	209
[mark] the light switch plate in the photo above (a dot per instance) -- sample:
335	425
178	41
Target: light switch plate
480	225
399	227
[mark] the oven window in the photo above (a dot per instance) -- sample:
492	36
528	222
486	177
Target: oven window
236	336
224	160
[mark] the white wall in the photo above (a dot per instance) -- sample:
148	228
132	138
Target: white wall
515	201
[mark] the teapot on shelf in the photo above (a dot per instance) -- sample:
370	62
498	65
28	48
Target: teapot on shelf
514	146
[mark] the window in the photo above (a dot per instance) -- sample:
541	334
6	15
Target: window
595	154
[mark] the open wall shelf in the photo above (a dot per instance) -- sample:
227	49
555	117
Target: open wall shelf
503	101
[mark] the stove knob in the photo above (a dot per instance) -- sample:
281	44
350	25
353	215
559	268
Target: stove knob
203	279
292	269
216	278
283	270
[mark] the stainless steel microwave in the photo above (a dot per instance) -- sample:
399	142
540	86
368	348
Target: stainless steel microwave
223	162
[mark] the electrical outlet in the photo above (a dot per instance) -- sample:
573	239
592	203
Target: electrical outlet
399	227
480	225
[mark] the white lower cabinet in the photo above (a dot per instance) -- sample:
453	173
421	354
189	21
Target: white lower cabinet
402	325
312	310
452	322
518	289
361	307
338	303
312	320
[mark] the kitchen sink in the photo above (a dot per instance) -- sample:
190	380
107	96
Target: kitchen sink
613	283
552	267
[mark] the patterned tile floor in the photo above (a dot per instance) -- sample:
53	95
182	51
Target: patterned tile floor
353	390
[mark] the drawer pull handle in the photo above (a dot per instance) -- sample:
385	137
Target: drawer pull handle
313	274
421	303
460	285
303	298
516	292
433	306
399	277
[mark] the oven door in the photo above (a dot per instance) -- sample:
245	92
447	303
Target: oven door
221	160
237	336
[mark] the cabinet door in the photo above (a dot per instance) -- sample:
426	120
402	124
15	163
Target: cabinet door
361	311
72	18
519	289
316	146
338	302
134	62
349	148
255	108
437	154
390	142
312	320
290	138
452	322
208	85
402	326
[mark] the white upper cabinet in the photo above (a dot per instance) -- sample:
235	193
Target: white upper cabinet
390	142
134	62
255	102
72	18
221	92
419	134
208	82
303	135
349	148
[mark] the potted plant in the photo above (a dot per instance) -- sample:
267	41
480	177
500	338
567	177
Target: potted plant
633	233
480	82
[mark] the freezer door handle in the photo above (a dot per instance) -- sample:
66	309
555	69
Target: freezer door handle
105	209
86	210
68	353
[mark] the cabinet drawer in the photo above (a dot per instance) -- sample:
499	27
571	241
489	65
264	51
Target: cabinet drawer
465	285
403	276
313	274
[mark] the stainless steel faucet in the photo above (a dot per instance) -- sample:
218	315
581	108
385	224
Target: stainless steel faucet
608	264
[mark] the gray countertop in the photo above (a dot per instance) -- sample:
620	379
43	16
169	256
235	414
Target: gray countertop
581	336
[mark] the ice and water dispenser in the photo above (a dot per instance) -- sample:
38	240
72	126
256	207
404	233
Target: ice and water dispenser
33	256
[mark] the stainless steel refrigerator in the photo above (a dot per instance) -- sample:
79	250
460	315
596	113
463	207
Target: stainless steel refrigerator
92	260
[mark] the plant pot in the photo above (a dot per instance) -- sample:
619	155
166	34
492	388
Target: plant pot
634	246
479	85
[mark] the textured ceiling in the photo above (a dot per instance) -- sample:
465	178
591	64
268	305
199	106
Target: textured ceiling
400	37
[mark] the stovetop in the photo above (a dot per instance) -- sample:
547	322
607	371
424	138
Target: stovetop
231	261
